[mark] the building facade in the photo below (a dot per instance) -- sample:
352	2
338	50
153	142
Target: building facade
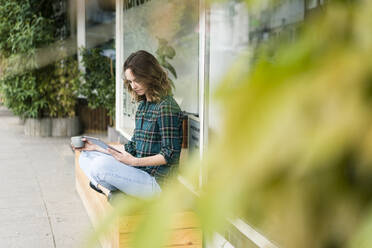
196	43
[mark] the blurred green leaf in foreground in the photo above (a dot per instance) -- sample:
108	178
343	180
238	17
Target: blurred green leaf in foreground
294	159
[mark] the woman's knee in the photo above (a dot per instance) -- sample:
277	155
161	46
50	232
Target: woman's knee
91	163
101	164
84	160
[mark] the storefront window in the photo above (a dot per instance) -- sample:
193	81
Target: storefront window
169	30
243	31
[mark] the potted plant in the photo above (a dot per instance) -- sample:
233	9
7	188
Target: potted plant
63	98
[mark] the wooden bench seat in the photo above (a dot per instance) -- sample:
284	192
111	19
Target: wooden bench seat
185	232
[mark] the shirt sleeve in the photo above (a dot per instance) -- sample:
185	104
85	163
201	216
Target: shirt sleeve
130	147
171	133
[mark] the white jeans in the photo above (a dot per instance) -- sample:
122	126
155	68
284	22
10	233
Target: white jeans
105	170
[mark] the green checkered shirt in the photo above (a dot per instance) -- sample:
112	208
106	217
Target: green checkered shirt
158	130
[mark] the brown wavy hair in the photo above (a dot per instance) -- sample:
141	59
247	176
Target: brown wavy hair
147	70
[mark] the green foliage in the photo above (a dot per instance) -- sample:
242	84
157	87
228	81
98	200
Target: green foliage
63	88
99	85
26	26
47	92
19	92
294	156
163	53
22	28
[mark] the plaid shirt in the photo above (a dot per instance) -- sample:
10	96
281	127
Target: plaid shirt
158	130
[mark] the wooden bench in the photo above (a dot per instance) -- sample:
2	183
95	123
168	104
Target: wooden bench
185	232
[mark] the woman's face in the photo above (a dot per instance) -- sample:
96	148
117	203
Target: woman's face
138	87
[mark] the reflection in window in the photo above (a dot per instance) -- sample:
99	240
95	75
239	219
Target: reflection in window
273	20
169	30
245	29
100	23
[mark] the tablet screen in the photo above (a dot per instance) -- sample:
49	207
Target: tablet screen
100	143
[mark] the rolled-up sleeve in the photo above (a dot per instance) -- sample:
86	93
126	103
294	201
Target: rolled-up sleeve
130	147
171	133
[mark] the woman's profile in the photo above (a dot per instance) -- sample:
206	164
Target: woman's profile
152	154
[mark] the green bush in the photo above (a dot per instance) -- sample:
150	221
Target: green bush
99	76
30	91
23	28
63	88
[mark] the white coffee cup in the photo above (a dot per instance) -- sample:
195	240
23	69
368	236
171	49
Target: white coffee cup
77	142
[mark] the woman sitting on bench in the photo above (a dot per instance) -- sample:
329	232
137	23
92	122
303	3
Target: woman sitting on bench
152	155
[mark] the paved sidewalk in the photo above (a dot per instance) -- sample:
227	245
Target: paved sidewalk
39	206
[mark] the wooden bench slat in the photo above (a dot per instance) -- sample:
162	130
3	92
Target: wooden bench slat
180	221
178	237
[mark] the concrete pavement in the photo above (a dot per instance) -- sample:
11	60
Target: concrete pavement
39	206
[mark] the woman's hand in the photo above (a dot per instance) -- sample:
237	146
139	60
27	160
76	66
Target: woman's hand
88	146
123	157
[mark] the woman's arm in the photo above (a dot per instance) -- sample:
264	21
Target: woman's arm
154	160
118	147
129	159
170	127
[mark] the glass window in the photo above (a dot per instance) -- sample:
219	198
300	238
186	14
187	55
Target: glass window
243	31
169	30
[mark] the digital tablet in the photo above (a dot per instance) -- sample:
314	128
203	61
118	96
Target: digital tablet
100	143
